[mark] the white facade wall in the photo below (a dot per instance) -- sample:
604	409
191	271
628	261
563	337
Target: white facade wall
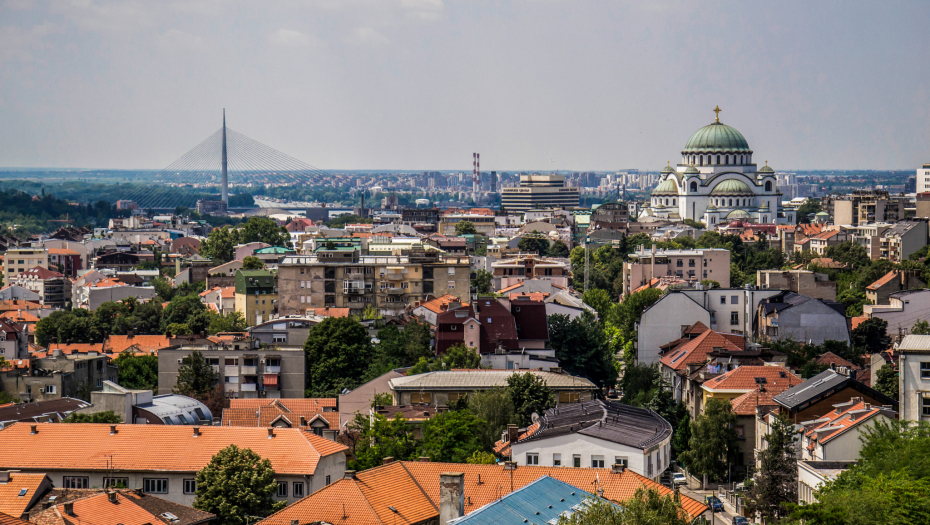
808	482
923	180
912	387
902	311
662	323
588	448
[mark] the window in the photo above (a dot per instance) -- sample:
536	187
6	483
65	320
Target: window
213	361
327	480
298	489
232	361
622	461
740	431
455	396
190	486
49	389
282	489
557	460
455	328
576	461
924	371
734	299
723	299
532	458
116	483
421	397
568	397
597	461
75	482
155	485
925	406
451	271
734	318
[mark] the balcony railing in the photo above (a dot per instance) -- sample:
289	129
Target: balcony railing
272	369
248	387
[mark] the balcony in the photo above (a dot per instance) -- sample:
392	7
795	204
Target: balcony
395	276
396	291
249	370
231	387
273	369
248	387
231	370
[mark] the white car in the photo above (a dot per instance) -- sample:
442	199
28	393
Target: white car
679	479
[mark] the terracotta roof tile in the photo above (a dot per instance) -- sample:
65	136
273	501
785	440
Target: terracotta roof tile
6	519
296	404
745	405
292	451
149	344
744	378
329	312
829	358
856	321
887	278
62	251
413	489
503	447
842	419
265	416
697	350
10	501
436	305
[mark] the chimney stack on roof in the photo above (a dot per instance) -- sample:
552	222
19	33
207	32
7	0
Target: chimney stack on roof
513	433
303	421
34	429
4	476
451	496
69	508
617	468
270	432
111	496
113	430
350	474
388	459
196	431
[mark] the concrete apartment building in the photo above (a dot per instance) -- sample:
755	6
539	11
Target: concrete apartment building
256	295
693	265
902	239
514	270
804	282
880	291
343	278
18	260
539	191
58	376
246	368
484	222
903	309
54	289
923	180
914	378
863	207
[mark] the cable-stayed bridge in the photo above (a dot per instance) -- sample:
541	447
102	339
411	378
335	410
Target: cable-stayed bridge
225	158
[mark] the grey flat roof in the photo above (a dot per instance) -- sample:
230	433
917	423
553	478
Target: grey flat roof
615	422
483	379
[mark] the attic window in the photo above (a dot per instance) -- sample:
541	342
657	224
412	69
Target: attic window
22	492
454	328
489	319
761	381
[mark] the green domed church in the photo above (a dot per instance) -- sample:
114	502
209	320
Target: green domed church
717	182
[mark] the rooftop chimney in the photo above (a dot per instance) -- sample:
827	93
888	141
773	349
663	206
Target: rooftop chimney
196	431
388	459
111	496
113	430
4	476
69	508
424	459
513	433
510	465
295	522
451	496
270	433
617	468
350	474
35	429
303	421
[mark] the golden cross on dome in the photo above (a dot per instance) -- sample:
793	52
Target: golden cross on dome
766	163
717	110
669	163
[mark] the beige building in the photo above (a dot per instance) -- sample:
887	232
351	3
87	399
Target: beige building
256	295
342	278
539	192
18	260
804	282
443	387
693	265
862	207
484	223
514	270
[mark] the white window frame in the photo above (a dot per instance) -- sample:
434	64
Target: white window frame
532	458
190	486
155	485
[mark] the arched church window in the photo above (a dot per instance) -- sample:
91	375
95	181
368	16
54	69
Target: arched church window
666	202
693	186
726	159
718	159
674	202
731	202
768	185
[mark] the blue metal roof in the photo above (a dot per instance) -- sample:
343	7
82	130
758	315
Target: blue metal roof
541	502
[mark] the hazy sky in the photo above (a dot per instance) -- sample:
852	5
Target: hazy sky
421	84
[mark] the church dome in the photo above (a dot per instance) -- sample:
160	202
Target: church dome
766	168
717	137
739	214
667	186
667	169
692	171
731	187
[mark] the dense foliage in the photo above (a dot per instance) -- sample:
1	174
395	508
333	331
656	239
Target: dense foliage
138	372
529	395
108	416
220	244
713	445
237	485
775	484
646	507
339	351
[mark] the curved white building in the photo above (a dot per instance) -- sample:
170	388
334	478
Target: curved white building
717	181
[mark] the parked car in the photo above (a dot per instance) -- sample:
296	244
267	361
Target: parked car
679	479
740	520
714	503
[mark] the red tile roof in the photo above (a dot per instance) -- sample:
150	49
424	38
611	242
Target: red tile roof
6	519
830	358
291	451
295	404
745	405
275	415
62	251
40	273
440	304
887	278
147	344
696	350
502	448
10	501
329	312
842	418
856	321
743	378
412	488
127	509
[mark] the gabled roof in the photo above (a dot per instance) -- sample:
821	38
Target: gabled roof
887	278
697	350
291	451
412	488
745	405
843	417
267	415
609	421
503	447
149	344
747	378
824	385
39	272
440	304
831	359
289	404
13	500
129	508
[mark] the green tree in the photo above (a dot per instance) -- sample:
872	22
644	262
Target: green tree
252	263
338	354
237	485
496	408
266	230
196	378
529	394
713	444
807	210
231	322
870	337
775	484
481	458
465	228
380	437
534	242
452	436
220	245
98	417
598	299
851	253
137	372
405	348
558	248
646	507
181	310
694	224
887	381
921	328
176	329
457	356
482	282
627	314
582	348
710	284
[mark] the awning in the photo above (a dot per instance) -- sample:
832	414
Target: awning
271	379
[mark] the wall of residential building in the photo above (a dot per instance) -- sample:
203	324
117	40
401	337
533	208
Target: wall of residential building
588	448
91	298
808	484
810	321
913	387
291	372
845	212
18	260
902	311
811	284
707	264
444	397
256	308
845	446
58	377
655	330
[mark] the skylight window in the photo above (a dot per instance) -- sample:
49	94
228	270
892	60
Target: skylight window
22	492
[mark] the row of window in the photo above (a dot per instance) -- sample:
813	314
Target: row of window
532	458
699	159
160	485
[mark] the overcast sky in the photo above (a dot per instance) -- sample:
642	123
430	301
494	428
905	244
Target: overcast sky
421	84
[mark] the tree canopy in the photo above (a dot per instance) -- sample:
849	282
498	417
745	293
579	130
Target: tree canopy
196	378
137	372
529	394
534	242
713	444
582	348
108	416
465	228
339	352
237	485
775	484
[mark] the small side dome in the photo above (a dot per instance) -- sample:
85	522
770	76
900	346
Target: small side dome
766	168
668	186
711	207
738	214
667	169
692	171
765	206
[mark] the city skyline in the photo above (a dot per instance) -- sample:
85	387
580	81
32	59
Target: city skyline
413	85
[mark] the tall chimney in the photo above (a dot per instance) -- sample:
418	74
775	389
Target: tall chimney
111	496
451	496
69	508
